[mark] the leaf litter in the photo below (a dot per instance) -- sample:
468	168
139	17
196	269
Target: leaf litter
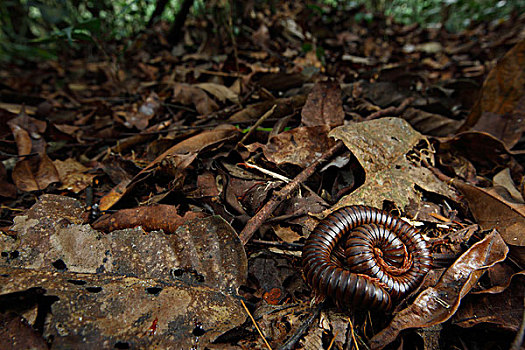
141	203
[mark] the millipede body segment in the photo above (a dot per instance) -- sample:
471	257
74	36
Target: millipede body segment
364	258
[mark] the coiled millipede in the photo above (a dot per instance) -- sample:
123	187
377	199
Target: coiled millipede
362	257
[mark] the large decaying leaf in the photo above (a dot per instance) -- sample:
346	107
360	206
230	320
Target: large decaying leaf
191	274
105	311
381	146
437	304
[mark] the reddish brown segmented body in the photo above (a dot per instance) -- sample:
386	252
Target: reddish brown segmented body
362	257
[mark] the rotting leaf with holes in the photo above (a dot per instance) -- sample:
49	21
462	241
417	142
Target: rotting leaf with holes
383	155
111	309
193	273
16	333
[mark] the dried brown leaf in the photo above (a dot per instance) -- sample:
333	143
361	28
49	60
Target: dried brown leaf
493	212
187	94
27	133
499	110
430	123
73	175
150	218
299	146
34	173
221	92
323	105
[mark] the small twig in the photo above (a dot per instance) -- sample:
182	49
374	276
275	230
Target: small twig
516	344
351	325
281	245
267	172
262	215
332	341
256	125
256	325
392	111
290	343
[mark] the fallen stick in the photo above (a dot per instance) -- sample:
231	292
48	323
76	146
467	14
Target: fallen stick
264	214
391	111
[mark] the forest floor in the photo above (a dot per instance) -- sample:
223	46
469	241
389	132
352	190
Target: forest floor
160	196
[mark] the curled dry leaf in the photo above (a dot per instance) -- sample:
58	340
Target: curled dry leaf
437	304
383	156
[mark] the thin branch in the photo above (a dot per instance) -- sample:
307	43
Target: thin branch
262	215
256	325
290	343
391	111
